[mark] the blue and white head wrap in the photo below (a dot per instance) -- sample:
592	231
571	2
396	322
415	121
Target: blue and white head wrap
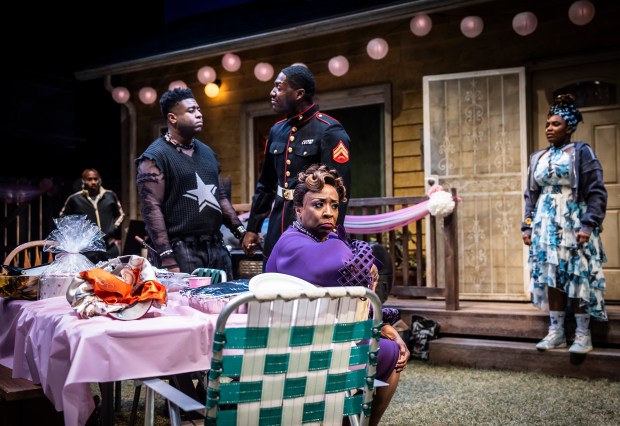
564	106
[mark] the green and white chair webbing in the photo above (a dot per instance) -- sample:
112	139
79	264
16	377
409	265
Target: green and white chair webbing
298	361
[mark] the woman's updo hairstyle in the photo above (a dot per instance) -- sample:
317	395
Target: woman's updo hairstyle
564	106
314	179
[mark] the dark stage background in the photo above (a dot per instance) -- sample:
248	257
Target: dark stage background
56	126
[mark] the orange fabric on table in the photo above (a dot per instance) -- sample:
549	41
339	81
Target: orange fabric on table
111	289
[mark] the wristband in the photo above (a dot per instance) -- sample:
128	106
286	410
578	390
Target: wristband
166	253
239	232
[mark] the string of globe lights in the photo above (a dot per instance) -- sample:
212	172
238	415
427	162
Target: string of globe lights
581	12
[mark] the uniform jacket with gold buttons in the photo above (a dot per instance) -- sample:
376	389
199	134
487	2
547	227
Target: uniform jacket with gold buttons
293	145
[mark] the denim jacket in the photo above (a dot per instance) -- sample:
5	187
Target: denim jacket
586	180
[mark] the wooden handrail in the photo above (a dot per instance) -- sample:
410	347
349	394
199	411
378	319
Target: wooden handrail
423	245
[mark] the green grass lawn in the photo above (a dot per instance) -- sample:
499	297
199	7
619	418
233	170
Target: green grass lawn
443	396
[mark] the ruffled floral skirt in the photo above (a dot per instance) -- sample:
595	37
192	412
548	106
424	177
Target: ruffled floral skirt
557	260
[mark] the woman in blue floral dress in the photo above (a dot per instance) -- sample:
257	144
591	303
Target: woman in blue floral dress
565	203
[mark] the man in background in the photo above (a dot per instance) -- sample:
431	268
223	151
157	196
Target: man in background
102	207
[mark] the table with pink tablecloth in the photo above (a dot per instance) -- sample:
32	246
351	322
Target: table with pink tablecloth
65	354
9	315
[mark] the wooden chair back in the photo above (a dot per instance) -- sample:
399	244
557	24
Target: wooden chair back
28	255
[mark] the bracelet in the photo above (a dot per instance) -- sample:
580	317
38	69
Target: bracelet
239	232
166	253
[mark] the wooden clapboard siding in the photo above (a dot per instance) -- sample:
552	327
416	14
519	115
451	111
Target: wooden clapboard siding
444	50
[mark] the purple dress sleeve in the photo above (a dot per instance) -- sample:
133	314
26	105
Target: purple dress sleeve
335	261
299	255
322	264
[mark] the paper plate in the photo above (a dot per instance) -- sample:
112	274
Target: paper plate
273	281
132	312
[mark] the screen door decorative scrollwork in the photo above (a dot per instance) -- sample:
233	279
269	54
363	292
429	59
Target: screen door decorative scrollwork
475	141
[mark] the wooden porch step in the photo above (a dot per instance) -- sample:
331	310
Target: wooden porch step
523	356
502	320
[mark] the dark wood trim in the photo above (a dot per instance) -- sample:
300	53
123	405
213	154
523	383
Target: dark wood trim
411	291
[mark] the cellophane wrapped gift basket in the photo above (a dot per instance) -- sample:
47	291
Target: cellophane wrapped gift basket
74	234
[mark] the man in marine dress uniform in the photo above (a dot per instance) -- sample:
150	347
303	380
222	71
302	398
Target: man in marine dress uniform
307	136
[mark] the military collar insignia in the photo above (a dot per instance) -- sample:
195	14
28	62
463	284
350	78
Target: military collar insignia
300	119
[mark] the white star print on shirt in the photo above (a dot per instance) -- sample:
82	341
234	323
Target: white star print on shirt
204	194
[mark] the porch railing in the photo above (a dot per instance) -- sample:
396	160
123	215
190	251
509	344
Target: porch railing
26	221
409	246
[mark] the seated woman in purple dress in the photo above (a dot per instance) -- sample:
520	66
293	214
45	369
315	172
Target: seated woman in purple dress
311	250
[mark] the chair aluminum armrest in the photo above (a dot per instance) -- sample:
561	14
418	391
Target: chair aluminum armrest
174	395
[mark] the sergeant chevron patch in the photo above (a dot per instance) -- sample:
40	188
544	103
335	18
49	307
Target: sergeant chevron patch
340	154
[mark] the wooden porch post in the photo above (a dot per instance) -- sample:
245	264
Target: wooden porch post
452	258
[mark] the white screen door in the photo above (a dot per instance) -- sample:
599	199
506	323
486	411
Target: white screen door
475	141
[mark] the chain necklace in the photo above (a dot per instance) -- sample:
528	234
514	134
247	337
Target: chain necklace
168	137
297	225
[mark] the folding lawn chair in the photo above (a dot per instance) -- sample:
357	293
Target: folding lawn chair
298	359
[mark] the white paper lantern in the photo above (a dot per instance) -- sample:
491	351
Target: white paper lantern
524	23
206	75
120	94
472	26
212	90
177	83
338	65
581	12
147	95
263	71
377	48
421	25
231	62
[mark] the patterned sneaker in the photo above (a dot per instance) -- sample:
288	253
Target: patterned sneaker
555	339
582	344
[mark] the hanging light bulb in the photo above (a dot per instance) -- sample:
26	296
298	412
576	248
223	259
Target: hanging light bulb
524	23
421	24
120	94
177	83
147	95
472	26
338	65
213	89
263	71
377	48
206	75
581	12
231	62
